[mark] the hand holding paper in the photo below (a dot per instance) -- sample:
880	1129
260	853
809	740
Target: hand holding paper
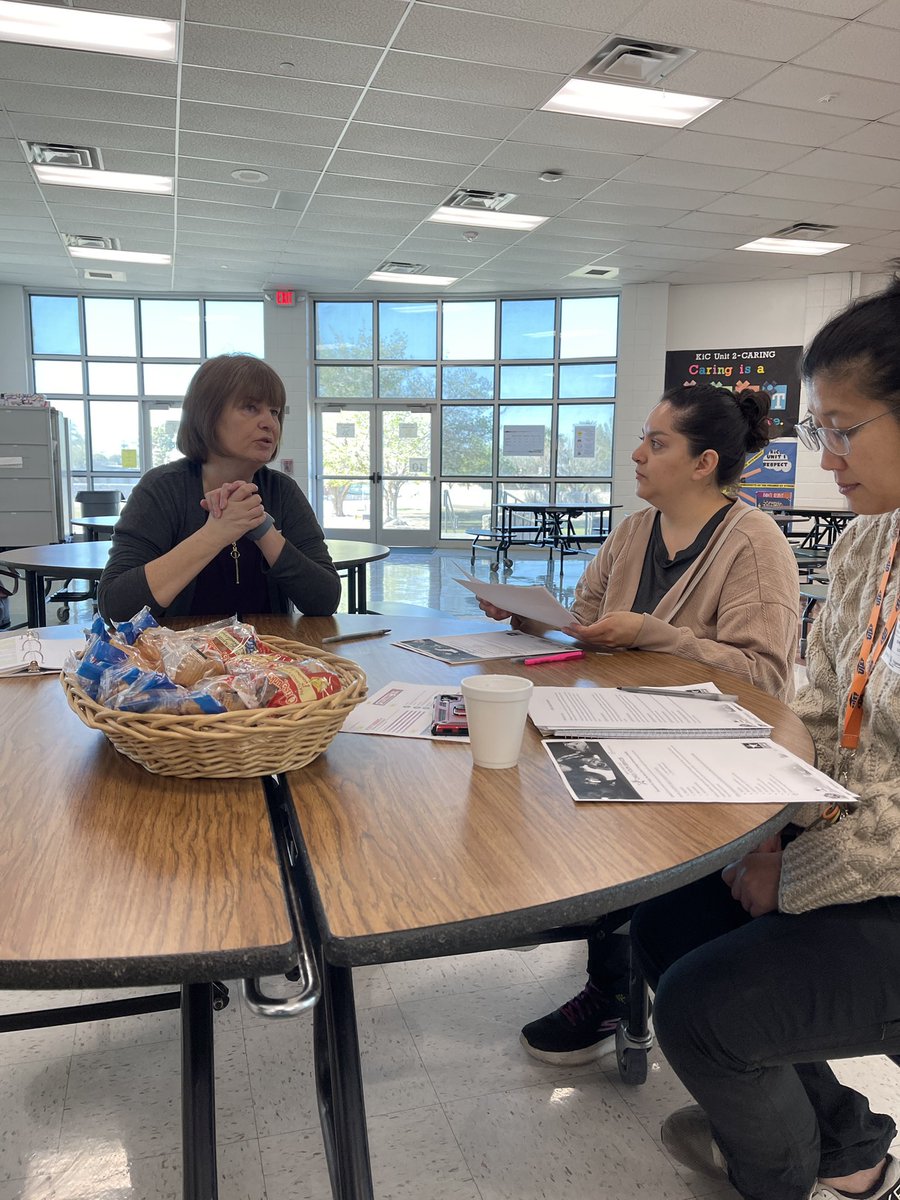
537	603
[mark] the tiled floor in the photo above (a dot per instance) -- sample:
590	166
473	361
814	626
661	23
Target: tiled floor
457	1111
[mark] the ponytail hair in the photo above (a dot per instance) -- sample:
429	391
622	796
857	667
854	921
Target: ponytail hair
714	418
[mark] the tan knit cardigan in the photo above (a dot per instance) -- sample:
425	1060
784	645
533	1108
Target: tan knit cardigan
735	608
858	858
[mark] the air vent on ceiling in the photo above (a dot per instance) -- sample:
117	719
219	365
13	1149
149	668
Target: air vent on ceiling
91	241
483	201
590	272
105	276
806	230
625	60
403	268
56	154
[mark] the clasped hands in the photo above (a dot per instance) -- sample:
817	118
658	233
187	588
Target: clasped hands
234	509
754	879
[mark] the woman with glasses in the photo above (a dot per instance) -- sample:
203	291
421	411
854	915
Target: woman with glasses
792	956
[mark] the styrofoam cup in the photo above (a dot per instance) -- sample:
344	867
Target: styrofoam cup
496	709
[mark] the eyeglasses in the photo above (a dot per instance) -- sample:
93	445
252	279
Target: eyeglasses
824	437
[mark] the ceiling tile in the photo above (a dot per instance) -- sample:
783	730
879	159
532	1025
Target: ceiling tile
88	104
440	116
857	49
866	218
266	217
143	164
580	14
268	92
262	154
334	184
492	179
357	222
212	171
738	118
830	8
801	87
589	133
776	210
265	54
779	35
421	75
222	193
48	65
257	123
829	164
371	23
887	14
668	172
16	172
373	211
618	191
69	197
166	9
802	187
501	41
521	156
883	198
709	73
875	138
719	150
391	166
93	133
411	143
622	214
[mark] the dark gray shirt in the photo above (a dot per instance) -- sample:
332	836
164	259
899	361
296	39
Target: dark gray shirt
661	572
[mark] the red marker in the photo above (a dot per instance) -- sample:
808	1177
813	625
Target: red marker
550	658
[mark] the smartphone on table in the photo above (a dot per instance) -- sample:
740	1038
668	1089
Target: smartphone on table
448	717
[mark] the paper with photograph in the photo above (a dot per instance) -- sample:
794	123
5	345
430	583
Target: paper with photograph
533	601
481	647
699	771
400	710
608	712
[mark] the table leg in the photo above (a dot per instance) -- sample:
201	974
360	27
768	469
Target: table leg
362	599
198	1101
34	600
352	605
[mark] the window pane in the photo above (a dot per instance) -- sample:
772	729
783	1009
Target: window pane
344	330
114	434
164	424
168	379
345	383
54	325
584	439
62	378
589	327
407	329
401	383
465	508
234	327
406	503
112	379
406	444
467	439
524	493
586	493
346	503
467	383
526	328
468	329
124	484
526	383
524	439
170	328
587	381
345	443
109	327
74	410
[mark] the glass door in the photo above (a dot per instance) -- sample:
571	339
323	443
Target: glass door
376	478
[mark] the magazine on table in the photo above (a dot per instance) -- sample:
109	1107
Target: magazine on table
610	712
480	647
402	710
533	601
699	771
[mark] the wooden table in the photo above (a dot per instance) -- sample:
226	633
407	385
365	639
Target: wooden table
111	876
86	560
407	851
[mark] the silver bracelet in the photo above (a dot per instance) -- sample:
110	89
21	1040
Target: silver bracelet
261	530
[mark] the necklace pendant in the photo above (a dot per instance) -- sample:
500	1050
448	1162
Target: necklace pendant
236	554
845	759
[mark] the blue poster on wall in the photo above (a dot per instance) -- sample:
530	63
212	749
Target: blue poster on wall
769	476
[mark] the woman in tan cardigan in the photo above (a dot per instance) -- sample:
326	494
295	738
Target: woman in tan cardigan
695	574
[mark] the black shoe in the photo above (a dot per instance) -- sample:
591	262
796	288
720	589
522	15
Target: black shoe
575	1033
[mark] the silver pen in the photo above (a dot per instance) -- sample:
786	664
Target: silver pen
352	637
662	691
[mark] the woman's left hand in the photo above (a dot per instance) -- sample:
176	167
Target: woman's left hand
616	630
754	881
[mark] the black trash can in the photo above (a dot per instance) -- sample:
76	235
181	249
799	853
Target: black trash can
99	504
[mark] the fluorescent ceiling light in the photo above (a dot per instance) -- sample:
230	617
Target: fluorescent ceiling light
791	246
488	220
400	277
77	29
116	181
135	256
616	102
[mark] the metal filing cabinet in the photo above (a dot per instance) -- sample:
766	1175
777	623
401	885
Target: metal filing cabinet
35	487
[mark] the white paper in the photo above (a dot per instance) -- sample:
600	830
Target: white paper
585	441
523	439
607	712
399	710
480	647
700	771
535	602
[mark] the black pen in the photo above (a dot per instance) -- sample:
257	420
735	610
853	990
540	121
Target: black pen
352	637
662	691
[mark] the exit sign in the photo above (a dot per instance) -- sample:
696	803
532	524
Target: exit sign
284	298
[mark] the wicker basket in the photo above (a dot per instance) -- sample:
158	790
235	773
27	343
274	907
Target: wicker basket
260	741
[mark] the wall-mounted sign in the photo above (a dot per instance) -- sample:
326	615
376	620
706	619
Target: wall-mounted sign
344	429
418	466
771	470
771	369
523	439
408	429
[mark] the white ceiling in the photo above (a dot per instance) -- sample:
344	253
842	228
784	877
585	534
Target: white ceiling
367	114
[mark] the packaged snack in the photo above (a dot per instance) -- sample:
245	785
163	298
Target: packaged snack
293	681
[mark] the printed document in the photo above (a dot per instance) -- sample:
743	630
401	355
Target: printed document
534	601
480	647
399	710
607	712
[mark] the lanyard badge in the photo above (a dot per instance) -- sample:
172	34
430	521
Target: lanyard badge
869	654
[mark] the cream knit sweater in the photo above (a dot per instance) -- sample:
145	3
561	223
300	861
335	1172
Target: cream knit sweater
859	857
735	608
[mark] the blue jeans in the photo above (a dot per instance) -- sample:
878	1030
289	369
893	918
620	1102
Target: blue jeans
747	1011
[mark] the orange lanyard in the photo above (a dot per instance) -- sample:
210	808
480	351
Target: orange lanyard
868	656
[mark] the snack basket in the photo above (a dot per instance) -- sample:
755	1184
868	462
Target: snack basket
259	741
